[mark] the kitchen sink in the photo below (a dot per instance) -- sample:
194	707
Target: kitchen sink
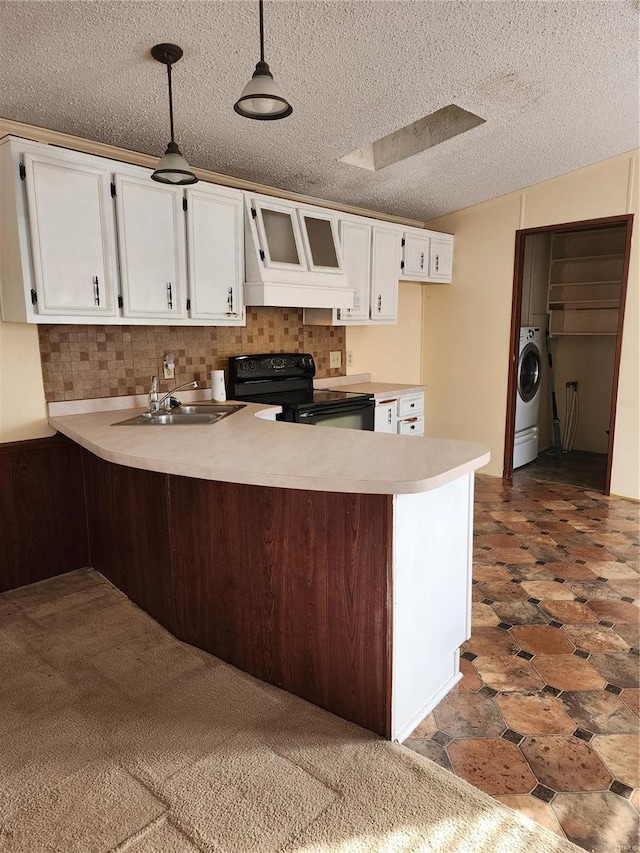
200	413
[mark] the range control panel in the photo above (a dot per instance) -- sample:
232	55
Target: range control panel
270	366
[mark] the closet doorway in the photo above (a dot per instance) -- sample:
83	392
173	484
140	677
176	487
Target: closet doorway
569	293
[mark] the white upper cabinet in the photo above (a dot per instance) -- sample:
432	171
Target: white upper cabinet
215	255
441	257
371	257
355	241
151	240
385	264
426	256
57	236
280	240
415	256
292	255
321	243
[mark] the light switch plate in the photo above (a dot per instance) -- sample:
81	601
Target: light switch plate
335	358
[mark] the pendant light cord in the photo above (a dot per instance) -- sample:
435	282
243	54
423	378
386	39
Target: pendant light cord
261	31
170	101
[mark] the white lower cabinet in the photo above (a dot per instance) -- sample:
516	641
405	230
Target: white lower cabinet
400	412
386	416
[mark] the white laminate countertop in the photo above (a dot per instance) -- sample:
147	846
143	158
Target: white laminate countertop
247	448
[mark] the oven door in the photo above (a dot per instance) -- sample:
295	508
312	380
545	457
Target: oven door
354	415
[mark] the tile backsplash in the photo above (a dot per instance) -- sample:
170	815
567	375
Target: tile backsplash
82	362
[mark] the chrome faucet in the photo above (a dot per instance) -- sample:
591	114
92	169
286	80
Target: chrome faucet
154	404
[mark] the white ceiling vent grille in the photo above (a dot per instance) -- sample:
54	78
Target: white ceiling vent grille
422	134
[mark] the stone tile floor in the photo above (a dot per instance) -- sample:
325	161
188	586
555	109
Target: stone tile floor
546	717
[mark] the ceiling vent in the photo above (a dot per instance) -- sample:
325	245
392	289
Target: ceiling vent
419	136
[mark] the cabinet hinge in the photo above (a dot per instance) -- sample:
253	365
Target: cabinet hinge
120	301
34	297
188	305
403	242
113	189
262	255
23	172
401	265
253	212
184	204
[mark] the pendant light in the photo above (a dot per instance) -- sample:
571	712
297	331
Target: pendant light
172	168
261	98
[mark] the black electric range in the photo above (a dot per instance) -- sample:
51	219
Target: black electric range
286	380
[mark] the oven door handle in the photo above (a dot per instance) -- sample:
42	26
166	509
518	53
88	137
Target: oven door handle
337	410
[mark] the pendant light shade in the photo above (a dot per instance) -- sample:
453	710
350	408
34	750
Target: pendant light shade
172	168
261	98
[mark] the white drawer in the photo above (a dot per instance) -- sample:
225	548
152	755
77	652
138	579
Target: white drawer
411	426
412	404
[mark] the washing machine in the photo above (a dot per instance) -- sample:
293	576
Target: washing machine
525	446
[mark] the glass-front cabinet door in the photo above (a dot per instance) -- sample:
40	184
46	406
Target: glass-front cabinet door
279	235
320	238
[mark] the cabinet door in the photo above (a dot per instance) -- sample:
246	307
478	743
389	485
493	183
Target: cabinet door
440	258
415	259
279	235
385	416
385	268
72	237
215	254
355	241
151	239
320	239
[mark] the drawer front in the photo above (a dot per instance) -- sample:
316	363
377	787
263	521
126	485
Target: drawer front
410	405
411	426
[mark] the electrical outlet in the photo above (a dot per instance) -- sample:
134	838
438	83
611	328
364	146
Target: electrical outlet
169	366
349	358
335	358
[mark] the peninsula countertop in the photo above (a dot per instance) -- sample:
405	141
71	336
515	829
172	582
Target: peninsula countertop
250	447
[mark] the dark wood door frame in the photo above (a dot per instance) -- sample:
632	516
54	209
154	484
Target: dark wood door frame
516	308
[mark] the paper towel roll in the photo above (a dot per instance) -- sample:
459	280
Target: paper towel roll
218	392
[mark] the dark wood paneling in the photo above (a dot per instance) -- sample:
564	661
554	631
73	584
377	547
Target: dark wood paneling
291	586
43	529
129	533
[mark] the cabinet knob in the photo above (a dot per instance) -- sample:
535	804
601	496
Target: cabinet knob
170	296
96	290
437	262
379	302
422	260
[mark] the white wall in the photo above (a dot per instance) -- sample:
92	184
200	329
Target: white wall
466	324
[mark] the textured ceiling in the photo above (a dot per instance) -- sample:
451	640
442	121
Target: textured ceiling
557	83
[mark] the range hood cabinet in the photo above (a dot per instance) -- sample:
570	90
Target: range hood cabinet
293	256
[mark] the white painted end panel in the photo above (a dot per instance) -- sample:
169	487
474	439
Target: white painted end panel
431	597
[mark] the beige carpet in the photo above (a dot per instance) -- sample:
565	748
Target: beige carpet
114	736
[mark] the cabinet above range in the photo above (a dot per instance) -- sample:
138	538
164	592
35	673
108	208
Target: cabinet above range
293	256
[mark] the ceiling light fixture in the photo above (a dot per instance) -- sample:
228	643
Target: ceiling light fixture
261	98
172	168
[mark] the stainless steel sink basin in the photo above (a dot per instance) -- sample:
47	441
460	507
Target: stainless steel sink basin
207	409
201	413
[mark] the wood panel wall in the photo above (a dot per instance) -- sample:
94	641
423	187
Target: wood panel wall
290	586
43	527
